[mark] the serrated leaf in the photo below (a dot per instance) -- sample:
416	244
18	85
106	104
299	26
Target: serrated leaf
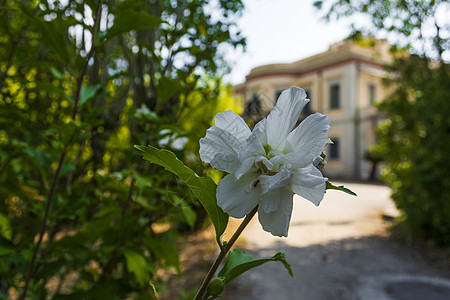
203	188
330	186
240	262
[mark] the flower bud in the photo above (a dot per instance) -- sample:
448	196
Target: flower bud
216	286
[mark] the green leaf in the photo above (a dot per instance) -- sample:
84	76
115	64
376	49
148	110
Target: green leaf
70	132
127	20
330	186
49	269
239	262
53	33
6	247
166	88
56	73
137	264
164	252
234	259
189	214
203	188
5	227
92	91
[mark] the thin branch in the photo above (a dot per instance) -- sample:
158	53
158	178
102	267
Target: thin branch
115	255
88	58
43	228
201	292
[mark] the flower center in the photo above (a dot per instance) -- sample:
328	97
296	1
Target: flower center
264	165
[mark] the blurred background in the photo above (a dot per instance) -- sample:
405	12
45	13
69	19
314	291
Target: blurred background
82	81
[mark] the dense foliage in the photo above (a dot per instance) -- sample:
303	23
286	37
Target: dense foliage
414	139
81	82
414	145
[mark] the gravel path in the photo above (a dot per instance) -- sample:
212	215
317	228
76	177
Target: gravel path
338	250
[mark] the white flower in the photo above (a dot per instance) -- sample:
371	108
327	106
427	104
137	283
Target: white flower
269	164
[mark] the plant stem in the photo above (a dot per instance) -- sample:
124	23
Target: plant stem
30	271
201	292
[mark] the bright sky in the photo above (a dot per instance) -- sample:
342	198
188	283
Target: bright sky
282	31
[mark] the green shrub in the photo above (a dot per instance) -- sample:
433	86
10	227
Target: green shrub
81	215
414	144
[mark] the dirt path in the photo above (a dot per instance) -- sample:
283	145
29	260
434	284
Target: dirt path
338	250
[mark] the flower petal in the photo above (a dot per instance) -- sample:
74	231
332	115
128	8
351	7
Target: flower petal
260	131
296	160
244	166
254	143
233	124
220	149
238	197
280	179
270	201
277	222
309	183
309	138
284	116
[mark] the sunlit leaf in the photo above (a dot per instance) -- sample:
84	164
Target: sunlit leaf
5	227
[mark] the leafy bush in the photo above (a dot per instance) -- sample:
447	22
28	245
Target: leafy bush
81	82
413	142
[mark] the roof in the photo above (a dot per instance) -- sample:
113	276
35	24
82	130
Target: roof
372	52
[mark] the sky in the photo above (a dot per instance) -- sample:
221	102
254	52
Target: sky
281	31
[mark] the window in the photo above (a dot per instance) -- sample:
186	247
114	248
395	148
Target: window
253	105
307	109
335	91
333	149
372	93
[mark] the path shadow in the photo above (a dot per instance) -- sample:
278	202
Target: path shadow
332	270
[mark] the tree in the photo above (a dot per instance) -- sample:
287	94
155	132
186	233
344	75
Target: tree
412	140
81	82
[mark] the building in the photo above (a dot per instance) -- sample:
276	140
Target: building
343	82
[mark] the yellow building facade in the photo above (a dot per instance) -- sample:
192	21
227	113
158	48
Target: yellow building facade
343	82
